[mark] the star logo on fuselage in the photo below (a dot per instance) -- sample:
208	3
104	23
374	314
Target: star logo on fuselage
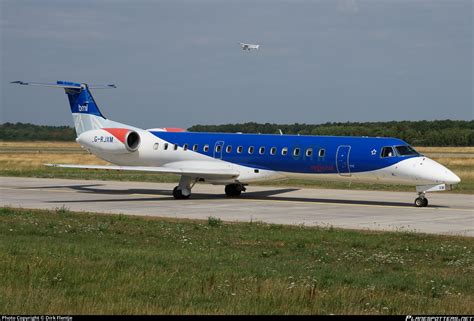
373	152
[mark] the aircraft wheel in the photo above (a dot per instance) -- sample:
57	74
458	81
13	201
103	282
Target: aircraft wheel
177	194
421	202
232	190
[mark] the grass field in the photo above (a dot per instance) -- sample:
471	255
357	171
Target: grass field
27	159
59	262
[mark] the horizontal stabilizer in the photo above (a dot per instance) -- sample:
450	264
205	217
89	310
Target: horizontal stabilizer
63	84
193	172
57	85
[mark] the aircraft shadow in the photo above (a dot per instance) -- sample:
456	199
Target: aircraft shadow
264	196
256	196
267	195
93	189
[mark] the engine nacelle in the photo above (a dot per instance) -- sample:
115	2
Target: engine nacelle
110	140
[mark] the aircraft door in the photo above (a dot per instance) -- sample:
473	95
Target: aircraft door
218	147
342	160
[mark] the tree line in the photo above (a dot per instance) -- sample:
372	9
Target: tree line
24	132
417	133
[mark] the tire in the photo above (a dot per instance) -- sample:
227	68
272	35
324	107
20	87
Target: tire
232	190
425	202
177	194
419	202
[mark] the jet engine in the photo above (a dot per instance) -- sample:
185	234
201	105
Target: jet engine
110	140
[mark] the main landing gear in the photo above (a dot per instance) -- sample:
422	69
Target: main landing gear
178	194
183	190
421	200
234	190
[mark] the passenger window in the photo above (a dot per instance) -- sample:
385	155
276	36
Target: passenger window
185	146
155	146
218	148
195	147
309	152
165	146
175	146
228	149
261	150
273	151
240	149
321	152
205	148
296	152
251	150
387	152
284	151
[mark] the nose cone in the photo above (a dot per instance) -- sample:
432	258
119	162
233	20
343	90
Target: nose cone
441	174
453	178
424	171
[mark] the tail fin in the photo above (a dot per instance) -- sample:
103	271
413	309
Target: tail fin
80	99
85	112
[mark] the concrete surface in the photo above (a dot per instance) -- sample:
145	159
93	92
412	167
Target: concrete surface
373	210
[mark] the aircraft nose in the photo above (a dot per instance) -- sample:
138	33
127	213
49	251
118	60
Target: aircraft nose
444	175
453	179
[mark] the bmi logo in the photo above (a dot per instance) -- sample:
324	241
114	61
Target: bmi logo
84	107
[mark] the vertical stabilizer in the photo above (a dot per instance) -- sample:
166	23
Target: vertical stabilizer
84	109
85	112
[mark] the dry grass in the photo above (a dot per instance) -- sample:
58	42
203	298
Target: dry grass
43	144
39	144
33	155
428	150
28	159
16	156
23	161
454	161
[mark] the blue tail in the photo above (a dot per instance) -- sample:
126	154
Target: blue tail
85	112
80	98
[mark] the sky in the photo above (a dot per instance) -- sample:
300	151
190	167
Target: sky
178	63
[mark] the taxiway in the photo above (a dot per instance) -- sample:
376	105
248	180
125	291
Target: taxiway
447	213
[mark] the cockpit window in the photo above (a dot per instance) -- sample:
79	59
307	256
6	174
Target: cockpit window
406	150
387	152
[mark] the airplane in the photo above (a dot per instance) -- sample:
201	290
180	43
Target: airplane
237	160
248	46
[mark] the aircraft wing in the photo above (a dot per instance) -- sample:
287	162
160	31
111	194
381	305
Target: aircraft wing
179	168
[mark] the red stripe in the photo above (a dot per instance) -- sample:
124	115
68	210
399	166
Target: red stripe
119	133
170	129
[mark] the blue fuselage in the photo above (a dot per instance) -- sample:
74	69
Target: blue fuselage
305	154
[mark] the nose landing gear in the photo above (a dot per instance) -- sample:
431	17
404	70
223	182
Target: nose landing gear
421	200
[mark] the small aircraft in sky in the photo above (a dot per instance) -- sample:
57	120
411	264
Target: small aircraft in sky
236	160
249	46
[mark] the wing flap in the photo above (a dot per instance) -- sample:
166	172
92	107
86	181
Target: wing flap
221	173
